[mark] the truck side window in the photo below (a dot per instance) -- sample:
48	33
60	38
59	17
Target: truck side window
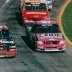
28	6
42	6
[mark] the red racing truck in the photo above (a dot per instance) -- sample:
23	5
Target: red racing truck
46	36
33	10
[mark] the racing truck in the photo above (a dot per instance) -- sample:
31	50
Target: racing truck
33	10
45	36
7	45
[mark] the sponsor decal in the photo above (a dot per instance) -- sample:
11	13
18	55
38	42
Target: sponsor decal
36	13
50	36
4	41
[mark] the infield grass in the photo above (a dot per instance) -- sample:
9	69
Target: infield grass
67	21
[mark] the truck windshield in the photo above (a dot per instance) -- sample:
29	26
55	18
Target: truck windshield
35	6
4	33
50	28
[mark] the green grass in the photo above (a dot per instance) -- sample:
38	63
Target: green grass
67	21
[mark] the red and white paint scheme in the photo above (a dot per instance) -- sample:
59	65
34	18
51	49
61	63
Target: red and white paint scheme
7	45
46	36
33	10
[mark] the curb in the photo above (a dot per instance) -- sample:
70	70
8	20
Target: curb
59	21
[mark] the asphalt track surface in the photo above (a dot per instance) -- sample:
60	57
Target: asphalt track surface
27	60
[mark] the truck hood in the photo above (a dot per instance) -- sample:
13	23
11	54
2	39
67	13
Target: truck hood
35	14
49	36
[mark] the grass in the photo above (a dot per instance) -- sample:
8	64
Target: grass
67	21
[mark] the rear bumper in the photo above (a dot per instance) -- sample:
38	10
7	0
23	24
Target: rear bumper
28	21
5	53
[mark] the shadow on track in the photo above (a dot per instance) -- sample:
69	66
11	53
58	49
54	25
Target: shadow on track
19	18
27	41
7	57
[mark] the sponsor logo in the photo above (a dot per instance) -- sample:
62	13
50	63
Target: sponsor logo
3	41
36	13
50	36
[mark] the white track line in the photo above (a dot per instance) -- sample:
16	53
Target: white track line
7	1
3	5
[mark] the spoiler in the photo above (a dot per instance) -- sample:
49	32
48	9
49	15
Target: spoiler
41	22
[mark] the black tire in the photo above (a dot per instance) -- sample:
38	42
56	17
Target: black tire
49	10
27	34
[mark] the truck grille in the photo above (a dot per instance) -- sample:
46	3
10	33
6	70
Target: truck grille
51	47
51	42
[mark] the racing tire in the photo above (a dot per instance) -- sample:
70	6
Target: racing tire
49	10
